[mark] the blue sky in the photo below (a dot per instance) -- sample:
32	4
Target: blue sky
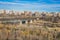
31	5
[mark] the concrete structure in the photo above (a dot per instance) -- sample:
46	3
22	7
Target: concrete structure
20	20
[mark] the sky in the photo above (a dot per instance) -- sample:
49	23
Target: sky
31	5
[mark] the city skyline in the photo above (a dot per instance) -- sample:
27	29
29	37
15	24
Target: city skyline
31	5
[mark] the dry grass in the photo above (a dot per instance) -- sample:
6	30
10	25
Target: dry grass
26	32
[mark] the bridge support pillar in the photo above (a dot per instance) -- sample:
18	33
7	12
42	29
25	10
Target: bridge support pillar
31	21
20	22
37	18
26	21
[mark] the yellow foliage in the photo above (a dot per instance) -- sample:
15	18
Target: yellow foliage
8	30
1	25
26	33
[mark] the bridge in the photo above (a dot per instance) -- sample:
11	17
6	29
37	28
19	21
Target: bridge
21	20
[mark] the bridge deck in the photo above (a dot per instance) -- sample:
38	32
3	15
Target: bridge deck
18	18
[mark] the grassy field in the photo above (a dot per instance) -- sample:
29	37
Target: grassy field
28	32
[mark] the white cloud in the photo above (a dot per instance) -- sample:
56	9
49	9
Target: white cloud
7	2
33	6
